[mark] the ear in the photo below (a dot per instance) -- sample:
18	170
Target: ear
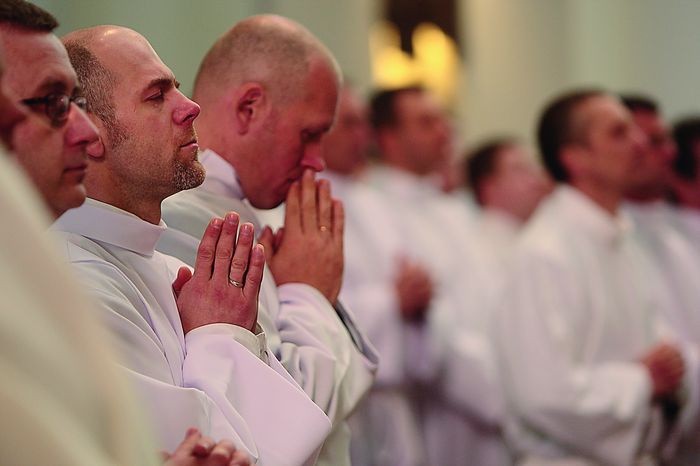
575	159
250	103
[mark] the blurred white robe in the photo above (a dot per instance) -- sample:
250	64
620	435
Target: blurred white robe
330	358
63	401
677	257
217	376
689	219
583	306
385	427
461	405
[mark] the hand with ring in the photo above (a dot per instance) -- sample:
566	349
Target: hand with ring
312	235
225	284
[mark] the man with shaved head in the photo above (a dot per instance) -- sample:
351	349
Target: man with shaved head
268	90
192	346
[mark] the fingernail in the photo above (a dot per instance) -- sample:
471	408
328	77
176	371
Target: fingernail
247	229
216	223
231	218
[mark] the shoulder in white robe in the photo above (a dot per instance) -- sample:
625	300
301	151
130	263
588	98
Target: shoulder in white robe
313	341
216	377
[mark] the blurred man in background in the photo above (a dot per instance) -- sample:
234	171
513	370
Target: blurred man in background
583	348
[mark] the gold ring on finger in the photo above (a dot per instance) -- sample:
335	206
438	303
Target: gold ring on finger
235	283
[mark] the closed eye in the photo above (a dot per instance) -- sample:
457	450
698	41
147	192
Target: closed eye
157	96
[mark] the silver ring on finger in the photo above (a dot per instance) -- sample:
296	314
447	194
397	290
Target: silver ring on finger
235	283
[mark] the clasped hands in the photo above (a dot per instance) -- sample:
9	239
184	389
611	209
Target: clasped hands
226	281
309	247
666	368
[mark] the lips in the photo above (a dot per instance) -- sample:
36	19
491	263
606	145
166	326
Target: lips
190	143
78	166
76	171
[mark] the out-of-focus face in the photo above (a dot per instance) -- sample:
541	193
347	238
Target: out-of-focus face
154	148
613	145
653	171
289	141
517	184
422	132
53	153
344	148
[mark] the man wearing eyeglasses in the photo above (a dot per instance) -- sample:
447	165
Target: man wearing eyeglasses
51	148
60	389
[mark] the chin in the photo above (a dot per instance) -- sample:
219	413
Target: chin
68	201
266	203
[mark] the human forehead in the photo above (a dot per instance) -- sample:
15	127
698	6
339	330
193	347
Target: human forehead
513	156
416	105
35	63
603	112
133	60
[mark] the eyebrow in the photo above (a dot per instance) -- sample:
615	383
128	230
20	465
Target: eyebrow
51	85
163	82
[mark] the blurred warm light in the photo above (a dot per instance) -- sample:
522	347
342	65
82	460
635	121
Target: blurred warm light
434	64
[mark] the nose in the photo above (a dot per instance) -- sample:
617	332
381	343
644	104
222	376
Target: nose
80	131
313	157
186	111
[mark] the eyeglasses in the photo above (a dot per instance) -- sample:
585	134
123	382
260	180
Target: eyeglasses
56	106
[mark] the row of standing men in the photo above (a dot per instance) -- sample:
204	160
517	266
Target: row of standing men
558	322
573	349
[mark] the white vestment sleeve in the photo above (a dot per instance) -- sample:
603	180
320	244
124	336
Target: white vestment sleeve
314	339
600	410
273	408
225	390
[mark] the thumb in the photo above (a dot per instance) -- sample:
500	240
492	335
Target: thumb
267	239
183	276
279	237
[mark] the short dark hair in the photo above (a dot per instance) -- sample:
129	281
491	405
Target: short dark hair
686	132
639	103
383	106
26	15
557	128
97	83
482	163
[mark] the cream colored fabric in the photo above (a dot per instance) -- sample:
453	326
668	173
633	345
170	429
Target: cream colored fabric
205	378
62	400
303	329
451	355
583	306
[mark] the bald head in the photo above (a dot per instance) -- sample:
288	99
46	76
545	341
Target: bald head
148	147
274	51
84	47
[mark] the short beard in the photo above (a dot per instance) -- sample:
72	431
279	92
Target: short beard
188	175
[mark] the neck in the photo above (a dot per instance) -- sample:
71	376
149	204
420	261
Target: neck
122	193
609	200
509	214
645	196
148	211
